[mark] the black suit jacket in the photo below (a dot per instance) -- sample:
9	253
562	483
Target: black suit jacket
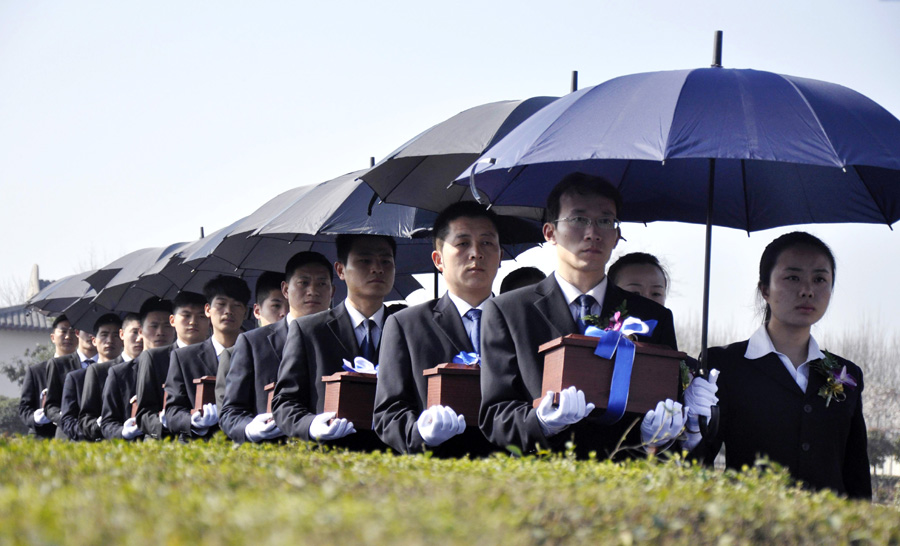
316	346
120	386
152	370
30	400
415	340
513	325
69	426
57	368
764	412
188	363
254	364
92	398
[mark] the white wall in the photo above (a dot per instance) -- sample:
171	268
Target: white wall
13	344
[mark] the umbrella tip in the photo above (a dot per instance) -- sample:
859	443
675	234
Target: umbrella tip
717	50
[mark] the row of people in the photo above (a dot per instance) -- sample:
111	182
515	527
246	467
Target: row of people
770	402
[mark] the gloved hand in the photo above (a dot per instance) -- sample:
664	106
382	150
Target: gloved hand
99	419
131	431
570	410
162	419
699	396
262	427
438	424
40	418
321	430
661	426
202	420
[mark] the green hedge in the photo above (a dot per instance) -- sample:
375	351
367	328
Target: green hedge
213	493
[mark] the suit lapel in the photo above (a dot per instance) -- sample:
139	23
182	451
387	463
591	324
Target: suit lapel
551	304
446	317
612	299
277	337
342	329
210	360
772	366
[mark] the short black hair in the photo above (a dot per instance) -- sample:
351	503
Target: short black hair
228	286
153	305
57	320
524	276
187	299
581	184
635	258
105	320
346	241
131	317
268	282
306	257
461	209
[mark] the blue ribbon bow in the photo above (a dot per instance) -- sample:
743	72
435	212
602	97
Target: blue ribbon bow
616	343
469	359
360	365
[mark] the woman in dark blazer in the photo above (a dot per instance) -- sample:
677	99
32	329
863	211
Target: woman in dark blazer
781	396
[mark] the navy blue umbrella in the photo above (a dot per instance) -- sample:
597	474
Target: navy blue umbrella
738	148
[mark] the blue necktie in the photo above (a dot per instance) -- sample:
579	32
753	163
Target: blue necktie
368	345
585	303
475	316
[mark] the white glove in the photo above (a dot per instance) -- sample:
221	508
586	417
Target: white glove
162	419
131	431
570	410
40	418
202	420
321	430
662	425
438	424
99	419
700	396
262	427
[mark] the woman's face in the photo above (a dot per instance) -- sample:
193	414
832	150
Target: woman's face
799	287
644	279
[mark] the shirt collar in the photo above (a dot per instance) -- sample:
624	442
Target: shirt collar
217	346
82	357
462	306
180	344
571	293
356	318
760	344
126	358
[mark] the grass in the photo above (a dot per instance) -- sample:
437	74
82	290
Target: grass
213	493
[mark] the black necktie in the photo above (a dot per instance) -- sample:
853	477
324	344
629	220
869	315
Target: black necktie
475	316
585	303
368	344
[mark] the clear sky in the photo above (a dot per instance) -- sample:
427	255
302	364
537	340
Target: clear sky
132	124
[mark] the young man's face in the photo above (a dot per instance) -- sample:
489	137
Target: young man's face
85	343
226	315
107	342
273	308
64	338
580	249
157	330
369	271
130	334
309	290
469	257
191	324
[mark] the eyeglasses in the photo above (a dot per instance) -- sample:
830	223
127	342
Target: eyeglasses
582	222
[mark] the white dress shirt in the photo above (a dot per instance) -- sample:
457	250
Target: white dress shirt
760	344
358	320
571	294
463	307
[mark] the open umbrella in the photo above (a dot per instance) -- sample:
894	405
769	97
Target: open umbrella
736	148
60	294
418	172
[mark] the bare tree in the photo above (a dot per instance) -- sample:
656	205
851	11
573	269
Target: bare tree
13	291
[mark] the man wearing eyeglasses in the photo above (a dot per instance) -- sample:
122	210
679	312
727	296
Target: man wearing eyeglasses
31	410
582	225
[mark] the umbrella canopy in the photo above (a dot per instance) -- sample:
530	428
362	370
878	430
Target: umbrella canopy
787	150
121	291
60	294
418	172
737	148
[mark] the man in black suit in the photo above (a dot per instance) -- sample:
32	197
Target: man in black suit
95	377
65	340
227	300
467	252
57	368
119	390
318	344
105	339
188	318
582	225
308	287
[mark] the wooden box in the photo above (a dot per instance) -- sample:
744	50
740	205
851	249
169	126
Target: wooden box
270	389
570	360
351	396
206	392
456	386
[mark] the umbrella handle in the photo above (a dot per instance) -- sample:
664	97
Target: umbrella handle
475	194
